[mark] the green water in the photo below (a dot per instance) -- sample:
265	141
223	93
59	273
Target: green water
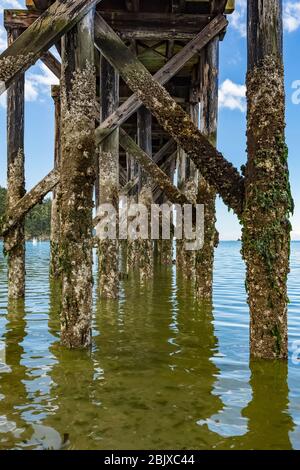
163	372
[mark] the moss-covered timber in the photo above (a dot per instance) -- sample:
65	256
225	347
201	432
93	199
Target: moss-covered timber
14	240
78	95
109	181
206	193
56	193
31	198
266	231
59	18
214	167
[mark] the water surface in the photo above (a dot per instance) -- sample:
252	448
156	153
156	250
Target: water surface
163	372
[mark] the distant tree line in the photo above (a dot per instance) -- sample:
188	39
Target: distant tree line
38	220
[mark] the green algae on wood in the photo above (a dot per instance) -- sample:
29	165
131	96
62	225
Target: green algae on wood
78	94
266	226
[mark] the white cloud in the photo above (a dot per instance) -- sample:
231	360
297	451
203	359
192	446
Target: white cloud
232	96
10	4
37	84
291	16
3	100
238	17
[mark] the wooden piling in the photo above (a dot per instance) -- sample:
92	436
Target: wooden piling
109	180
209	73
144	140
56	193
14	240
78	95
266	231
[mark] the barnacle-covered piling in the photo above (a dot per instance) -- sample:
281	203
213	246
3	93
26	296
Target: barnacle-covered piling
266	231
14	240
78	94
56	193
109	181
209	66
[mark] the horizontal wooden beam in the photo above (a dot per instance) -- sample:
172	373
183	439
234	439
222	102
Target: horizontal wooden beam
217	171
130	25
31	199
60	17
215	27
162	26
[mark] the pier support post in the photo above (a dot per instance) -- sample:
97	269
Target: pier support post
56	193
14	240
132	250
78	95
109	180
188	181
144	140
209	72
266	231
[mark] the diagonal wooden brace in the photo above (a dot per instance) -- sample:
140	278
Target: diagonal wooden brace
59	18
33	197
218	172
163	75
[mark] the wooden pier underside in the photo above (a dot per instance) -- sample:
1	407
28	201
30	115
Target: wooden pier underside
155	31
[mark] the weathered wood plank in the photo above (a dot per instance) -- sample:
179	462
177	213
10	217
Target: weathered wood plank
40	36
52	63
220	173
162	76
31	198
142	26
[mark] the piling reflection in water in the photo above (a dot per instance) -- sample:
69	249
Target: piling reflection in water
162	372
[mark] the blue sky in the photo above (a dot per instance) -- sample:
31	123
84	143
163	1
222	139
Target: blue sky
232	118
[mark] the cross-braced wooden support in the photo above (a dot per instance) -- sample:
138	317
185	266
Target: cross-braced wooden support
78	95
109	181
260	197
214	167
